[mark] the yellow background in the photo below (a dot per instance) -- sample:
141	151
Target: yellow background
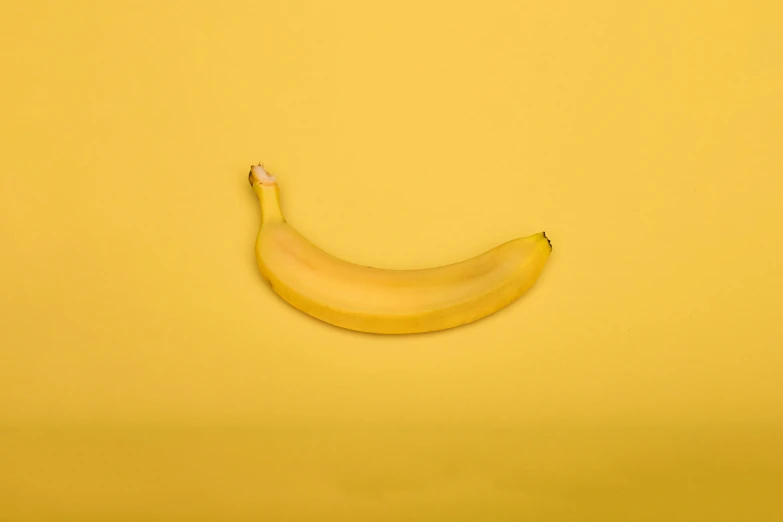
148	374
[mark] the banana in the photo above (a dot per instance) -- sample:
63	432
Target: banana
387	301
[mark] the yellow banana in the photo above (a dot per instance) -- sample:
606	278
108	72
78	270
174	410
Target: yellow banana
388	301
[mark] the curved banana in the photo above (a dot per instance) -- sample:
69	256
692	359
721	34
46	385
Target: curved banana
388	301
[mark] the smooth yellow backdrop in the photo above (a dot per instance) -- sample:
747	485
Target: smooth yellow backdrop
148	374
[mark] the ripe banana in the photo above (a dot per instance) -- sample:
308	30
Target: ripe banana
388	301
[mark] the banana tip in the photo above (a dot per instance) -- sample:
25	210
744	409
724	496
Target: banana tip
547	240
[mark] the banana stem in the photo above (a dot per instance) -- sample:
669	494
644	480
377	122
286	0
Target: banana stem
265	187
262	175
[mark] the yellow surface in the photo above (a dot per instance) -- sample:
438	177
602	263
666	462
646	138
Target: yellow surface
147	373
